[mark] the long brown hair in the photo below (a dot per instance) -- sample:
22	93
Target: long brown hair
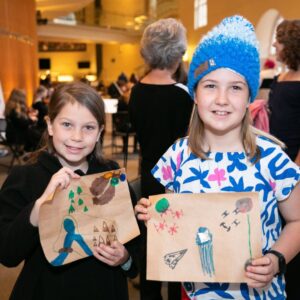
82	94
16	102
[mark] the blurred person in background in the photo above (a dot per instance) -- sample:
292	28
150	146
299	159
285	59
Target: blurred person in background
19	118
284	98
160	110
284	105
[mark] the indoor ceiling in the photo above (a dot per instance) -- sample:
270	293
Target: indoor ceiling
56	8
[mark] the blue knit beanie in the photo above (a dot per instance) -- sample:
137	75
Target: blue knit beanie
233	45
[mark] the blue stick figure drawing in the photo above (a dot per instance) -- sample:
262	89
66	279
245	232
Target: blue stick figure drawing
70	237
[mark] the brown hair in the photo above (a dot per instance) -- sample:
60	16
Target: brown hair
16	102
288	34
76	92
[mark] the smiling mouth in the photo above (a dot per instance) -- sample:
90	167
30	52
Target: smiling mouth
221	113
75	149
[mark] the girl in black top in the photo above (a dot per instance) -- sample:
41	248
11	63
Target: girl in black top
75	122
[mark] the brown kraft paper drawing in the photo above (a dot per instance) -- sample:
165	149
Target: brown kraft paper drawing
94	209
203	237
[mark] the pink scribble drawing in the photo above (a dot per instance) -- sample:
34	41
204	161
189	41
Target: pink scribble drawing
167	173
219	175
161	226
177	214
173	229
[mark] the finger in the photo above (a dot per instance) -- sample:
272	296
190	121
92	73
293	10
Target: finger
255	284
102	258
107	256
63	181
108	251
262	261
139	209
143	217
70	172
144	202
263	270
259	277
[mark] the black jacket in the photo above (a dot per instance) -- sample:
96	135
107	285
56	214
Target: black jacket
19	240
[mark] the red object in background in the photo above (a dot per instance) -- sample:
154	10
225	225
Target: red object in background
269	64
259	114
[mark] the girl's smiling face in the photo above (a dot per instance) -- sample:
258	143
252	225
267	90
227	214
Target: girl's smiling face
222	98
75	132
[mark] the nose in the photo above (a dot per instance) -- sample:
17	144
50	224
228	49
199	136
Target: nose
76	134
221	97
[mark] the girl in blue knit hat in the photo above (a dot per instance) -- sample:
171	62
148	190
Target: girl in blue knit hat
224	153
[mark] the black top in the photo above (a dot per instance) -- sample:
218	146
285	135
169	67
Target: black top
42	108
17	126
160	114
284	104
19	241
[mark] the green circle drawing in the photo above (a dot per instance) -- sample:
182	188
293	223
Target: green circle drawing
162	205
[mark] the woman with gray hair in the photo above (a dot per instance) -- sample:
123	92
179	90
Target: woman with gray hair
160	110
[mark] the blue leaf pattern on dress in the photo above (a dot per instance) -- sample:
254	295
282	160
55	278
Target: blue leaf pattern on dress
198	176
237	186
245	291
286	173
217	288
236	163
219	156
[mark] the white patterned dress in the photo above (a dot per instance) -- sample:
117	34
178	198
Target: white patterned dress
274	176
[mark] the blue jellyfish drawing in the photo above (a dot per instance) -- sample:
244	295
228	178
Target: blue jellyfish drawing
204	241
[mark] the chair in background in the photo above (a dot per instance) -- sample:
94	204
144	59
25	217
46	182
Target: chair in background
13	149
122	129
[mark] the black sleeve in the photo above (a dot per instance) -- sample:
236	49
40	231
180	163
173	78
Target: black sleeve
18	237
133	246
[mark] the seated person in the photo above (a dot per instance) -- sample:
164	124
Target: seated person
19	119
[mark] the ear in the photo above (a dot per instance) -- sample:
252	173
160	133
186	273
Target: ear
195	98
49	126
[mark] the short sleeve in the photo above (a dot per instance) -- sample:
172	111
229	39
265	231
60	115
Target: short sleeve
168	166
285	174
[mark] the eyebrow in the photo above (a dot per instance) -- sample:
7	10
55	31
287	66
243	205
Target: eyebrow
71	120
232	82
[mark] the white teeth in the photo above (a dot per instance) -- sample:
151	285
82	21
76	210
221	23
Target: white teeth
221	113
